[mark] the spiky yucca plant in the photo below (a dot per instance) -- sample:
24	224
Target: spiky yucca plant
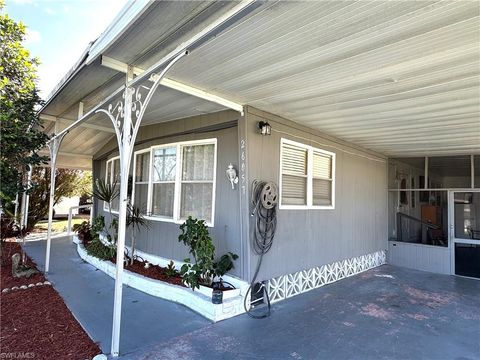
135	220
107	192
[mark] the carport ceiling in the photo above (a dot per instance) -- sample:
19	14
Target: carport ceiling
401	78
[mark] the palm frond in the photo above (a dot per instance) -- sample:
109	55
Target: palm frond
135	217
105	191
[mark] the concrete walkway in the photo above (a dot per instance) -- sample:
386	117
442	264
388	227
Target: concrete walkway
384	313
88	293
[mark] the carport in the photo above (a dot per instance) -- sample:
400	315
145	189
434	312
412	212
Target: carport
398	78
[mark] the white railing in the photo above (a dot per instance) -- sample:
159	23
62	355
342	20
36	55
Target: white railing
69	227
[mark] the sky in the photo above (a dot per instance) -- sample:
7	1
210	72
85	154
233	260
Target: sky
59	31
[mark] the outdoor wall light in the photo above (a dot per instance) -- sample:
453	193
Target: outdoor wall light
232	175
265	128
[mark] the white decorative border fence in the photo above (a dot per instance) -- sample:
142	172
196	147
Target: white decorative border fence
289	285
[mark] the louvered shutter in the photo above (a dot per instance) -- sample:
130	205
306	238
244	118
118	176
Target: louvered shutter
322	179
294	175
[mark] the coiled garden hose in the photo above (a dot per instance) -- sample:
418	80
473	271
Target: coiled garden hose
264	204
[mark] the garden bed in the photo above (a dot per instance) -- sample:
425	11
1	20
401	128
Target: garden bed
155	272
36	323
199	300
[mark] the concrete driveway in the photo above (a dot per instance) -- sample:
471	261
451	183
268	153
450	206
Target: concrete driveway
384	313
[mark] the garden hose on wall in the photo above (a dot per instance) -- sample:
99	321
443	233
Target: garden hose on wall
264	203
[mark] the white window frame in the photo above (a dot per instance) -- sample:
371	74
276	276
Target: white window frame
134	182
178	180
310	150
109	180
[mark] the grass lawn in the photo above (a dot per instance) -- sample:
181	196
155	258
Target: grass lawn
57	225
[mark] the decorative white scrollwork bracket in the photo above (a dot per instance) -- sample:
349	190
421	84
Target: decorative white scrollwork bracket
126	116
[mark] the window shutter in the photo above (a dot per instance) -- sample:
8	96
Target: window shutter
322	179
322	166
294	175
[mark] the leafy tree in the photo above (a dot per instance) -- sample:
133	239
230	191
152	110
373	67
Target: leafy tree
21	130
67	183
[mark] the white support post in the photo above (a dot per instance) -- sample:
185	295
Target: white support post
15	214
53	146
125	157
27	198
426	173
126	129
472	171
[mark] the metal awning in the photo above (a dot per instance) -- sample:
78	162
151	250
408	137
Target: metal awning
399	78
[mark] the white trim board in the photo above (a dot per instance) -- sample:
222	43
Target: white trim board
177	219
310	150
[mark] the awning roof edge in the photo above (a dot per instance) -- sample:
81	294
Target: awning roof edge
226	20
122	21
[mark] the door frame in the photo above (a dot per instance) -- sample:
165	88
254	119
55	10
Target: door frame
451	228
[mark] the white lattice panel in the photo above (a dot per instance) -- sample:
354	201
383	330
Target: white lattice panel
289	285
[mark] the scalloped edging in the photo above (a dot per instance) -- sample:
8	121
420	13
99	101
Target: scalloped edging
194	300
25	287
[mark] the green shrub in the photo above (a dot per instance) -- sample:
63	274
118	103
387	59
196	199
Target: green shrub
100	250
224	264
83	231
98	225
170	270
195	235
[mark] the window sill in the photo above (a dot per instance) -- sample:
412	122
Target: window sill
170	220
306	207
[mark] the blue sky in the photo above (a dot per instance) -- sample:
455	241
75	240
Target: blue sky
60	30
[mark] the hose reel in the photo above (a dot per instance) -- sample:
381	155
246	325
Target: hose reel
268	195
264	202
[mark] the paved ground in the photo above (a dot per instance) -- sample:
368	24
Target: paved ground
384	313
89	295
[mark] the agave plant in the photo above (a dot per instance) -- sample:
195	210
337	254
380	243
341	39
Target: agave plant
107	192
135	220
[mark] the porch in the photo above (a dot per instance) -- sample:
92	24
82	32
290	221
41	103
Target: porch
387	312
341	83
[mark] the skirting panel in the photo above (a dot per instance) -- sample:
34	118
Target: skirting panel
289	285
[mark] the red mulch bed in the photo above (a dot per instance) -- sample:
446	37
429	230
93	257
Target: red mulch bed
36	323
154	272
158	273
6	279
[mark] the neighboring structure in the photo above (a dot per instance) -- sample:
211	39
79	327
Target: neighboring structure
375	131
63	206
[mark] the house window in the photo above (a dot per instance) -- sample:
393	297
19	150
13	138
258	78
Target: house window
142	176
177	180
112	176
307	177
198	163
163	181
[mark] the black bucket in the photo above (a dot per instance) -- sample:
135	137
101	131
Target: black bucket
217	296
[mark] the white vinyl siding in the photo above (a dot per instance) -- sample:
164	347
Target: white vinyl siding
307	177
180	181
